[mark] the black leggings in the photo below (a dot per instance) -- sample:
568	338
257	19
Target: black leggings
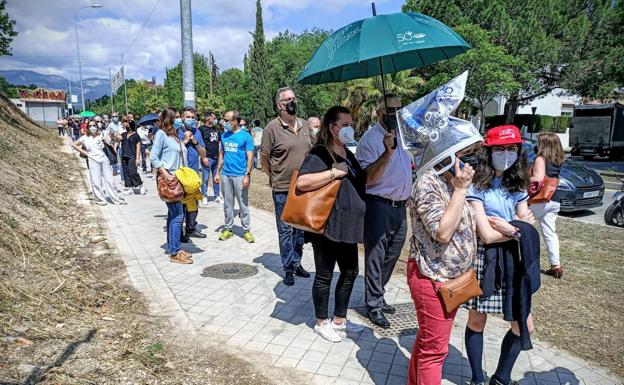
131	175
326	254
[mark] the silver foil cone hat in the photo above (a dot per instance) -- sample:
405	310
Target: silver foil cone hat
429	131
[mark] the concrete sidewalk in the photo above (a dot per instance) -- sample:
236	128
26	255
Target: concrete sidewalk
274	322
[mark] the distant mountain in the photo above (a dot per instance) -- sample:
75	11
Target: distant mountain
93	87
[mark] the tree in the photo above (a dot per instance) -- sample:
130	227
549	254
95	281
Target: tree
549	39
233	87
490	69
261	97
173	81
7	30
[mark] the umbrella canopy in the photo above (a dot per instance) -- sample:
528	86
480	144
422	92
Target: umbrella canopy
148	119
87	114
397	41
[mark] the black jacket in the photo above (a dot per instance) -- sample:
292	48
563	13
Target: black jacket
516	265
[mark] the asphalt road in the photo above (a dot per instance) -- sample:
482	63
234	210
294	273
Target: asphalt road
595	216
600	164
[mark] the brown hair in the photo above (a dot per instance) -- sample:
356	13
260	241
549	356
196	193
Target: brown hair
331	116
166	121
515	178
549	146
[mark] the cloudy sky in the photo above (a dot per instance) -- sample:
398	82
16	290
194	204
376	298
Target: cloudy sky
46	41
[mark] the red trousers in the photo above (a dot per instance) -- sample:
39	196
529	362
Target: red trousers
434	329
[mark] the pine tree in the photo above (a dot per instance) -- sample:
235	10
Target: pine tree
258	67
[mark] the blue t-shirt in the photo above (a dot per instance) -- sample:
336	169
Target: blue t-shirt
498	201
193	154
235	146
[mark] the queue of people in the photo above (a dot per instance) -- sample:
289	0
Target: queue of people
473	212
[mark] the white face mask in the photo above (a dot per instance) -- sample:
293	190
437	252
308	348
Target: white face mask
346	135
315	130
502	160
93	129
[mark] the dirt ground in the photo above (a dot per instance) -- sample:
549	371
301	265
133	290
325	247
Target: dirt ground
68	315
581	313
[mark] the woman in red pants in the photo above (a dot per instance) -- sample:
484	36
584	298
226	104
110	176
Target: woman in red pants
442	247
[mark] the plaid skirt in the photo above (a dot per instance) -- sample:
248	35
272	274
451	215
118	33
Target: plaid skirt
494	303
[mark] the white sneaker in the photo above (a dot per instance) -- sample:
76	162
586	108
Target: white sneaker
348	327
205	201
101	203
120	203
326	331
142	190
218	199
128	191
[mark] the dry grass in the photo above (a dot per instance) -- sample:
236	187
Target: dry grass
67	312
582	313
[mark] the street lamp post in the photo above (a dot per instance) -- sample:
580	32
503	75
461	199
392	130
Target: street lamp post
78	48
533	109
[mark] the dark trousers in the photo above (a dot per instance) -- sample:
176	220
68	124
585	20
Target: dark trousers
385	230
290	239
190	217
326	254
143	160
130	174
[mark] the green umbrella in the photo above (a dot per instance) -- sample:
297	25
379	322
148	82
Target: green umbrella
382	44
87	114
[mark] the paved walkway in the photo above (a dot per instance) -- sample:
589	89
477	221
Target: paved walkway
273	322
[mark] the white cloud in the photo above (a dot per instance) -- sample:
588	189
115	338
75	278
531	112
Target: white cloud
46	41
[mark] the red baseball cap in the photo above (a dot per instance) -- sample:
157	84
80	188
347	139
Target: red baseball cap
502	136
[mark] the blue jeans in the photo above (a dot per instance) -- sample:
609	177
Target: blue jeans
207	171
175	217
290	239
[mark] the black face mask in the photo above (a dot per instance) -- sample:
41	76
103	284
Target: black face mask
390	121
291	107
535	150
470	159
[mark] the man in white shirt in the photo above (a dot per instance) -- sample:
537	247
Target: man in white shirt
385	222
143	132
112	130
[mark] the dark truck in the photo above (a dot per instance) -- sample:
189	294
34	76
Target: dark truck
598	129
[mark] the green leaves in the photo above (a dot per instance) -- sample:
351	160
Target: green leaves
7	30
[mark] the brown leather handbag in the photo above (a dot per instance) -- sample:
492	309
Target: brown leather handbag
545	194
462	288
170	191
309	210
459	290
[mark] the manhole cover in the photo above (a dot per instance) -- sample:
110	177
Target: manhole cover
402	323
230	271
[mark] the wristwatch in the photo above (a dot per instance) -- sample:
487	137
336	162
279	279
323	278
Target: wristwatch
516	235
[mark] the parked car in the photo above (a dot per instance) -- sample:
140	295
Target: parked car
580	187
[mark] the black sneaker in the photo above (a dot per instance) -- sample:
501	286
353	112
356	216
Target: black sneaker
289	280
184	239
301	272
195	234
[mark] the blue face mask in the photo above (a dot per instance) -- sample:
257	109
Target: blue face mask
177	123
243	127
190	122
227	127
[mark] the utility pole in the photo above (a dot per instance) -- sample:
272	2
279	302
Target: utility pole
124	81
71	112
210	70
188	72
110	79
